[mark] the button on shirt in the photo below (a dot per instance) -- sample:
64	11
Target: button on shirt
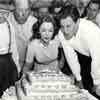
87	42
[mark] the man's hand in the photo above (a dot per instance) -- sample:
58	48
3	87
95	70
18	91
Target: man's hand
96	89
79	84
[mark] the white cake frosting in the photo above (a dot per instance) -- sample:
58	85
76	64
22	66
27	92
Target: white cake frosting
50	86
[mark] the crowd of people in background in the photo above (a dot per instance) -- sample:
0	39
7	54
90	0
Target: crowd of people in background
30	40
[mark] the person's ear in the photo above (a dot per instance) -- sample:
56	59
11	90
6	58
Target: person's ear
77	26
78	21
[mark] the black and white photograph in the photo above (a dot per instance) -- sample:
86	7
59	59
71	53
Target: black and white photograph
49	49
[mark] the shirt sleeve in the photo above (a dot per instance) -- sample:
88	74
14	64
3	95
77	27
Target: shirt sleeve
94	49
71	57
13	48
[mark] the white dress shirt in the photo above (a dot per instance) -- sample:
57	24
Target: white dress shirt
6	33
87	42
4	38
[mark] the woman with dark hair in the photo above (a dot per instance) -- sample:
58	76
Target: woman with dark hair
43	48
35	28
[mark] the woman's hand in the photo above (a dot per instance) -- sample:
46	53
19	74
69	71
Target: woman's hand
21	83
27	77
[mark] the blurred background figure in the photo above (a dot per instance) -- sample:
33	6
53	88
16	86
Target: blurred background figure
82	7
93	11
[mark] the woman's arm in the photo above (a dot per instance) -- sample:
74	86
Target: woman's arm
29	58
26	69
28	62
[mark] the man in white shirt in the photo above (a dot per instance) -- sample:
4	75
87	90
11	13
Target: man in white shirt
84	37
9	65
22	20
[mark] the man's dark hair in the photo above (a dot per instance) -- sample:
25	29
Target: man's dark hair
69	10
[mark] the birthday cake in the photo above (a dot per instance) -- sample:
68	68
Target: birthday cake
51	86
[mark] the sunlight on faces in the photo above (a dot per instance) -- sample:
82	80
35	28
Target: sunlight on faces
93	10
46	31
68	27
